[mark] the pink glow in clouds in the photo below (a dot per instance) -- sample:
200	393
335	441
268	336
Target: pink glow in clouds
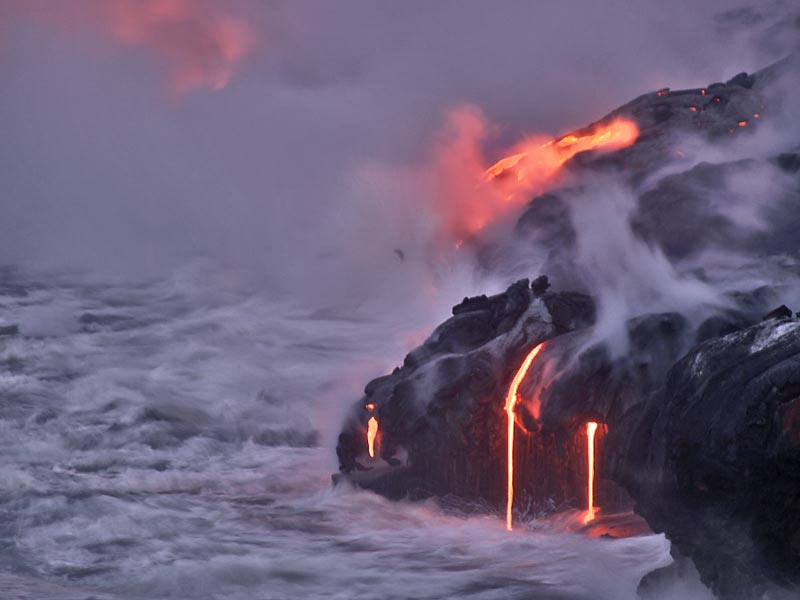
200	42
201	45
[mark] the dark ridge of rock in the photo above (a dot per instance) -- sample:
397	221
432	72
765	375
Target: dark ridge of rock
593	385
683	201
722	324
546	222
442	419
474	323
714	112
713	459
754	304
782	312
742	79
695	210
540	285
441	414
569	310
470	304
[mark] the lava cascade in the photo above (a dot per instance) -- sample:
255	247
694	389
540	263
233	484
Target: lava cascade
511	402
591	430
372	432
535	160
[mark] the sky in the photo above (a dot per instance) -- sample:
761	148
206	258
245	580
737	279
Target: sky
304	141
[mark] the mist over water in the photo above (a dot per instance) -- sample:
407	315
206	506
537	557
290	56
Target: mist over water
167	441
203	281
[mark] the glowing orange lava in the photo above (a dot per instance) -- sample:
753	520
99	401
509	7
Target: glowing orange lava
536	160
511	402
591	429
372	431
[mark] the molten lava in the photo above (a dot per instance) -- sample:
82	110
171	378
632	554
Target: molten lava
511	402
534	162
591	429
372	432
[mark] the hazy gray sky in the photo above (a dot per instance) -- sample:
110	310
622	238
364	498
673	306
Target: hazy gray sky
138	135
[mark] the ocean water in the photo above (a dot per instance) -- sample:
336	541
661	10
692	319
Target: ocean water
170	440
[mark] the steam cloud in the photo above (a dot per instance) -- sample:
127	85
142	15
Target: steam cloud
343	133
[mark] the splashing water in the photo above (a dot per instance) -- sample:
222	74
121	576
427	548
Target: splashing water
169	442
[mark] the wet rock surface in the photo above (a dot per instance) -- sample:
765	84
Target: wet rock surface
708	449
441	414
714	460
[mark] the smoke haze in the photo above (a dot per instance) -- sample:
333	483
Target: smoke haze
303	141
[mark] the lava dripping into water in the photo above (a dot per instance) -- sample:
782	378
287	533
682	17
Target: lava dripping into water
591	429
511	402
372	431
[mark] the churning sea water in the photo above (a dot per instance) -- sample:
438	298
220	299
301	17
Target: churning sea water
162	440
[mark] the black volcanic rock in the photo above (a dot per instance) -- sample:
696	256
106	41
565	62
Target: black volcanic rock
698	206
540	285
782	312
742	79
714	459
441	414
592	384
695	210
700	416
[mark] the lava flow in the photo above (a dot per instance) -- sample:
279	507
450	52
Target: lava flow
372	431
534	162
591	429
511	402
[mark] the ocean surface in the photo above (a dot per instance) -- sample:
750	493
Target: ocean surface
171	440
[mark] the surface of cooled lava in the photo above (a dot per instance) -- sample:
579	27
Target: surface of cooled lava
441	420
714	458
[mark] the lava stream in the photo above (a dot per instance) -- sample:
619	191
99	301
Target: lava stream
591	429
511	402
536	160
372	431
